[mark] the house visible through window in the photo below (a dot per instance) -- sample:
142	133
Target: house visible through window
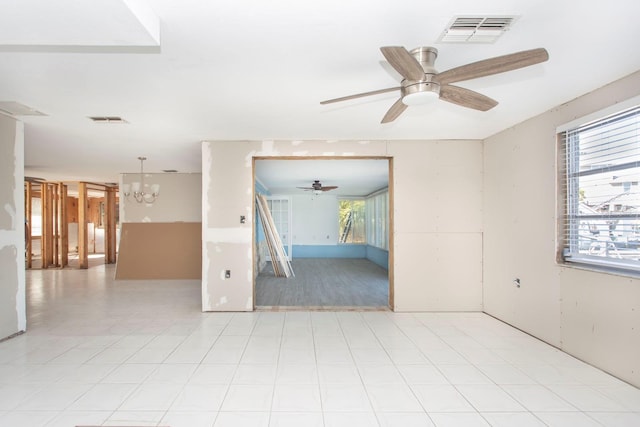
601	162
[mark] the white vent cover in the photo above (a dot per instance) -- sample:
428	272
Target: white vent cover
476	29
108	119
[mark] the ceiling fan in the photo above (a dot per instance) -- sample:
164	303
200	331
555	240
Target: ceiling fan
317	187
421	81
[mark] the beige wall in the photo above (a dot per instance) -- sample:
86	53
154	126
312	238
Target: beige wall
12	275
180	198
593	316
437	187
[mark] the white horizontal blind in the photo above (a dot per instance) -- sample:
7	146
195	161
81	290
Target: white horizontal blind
600	164
378	220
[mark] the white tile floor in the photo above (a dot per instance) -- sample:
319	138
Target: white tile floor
100	352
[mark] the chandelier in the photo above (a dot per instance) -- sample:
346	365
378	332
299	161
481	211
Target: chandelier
136	189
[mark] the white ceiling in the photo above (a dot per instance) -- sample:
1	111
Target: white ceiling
255	69
352	177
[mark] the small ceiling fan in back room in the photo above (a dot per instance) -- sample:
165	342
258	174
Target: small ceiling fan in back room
318	188
421	81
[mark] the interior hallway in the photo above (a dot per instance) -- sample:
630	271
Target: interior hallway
100	352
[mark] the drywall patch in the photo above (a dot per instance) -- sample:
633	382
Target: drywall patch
206	207
206	180
228	235
267	145
9	291
12	215
204	290
18	197
8	156
267	150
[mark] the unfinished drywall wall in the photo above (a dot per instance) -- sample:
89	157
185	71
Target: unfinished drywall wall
180	198
12	235
169	254
160	250
437	188
591	315
438	225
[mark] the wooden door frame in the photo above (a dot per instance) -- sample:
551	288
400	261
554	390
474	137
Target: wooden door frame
390	270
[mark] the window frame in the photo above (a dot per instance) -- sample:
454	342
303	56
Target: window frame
377	224
364	221
569	195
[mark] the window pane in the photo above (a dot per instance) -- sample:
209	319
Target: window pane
351	221
603	198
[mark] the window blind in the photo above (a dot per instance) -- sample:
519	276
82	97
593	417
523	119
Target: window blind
600	188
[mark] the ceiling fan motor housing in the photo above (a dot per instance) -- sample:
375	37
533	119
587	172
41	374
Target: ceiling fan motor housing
416	92
426	56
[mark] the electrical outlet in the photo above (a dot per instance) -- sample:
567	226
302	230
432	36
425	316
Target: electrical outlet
227	274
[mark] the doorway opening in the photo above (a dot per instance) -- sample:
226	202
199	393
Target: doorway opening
334	219
70	224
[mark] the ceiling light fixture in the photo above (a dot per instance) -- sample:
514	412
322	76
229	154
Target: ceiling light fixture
139	194
420	93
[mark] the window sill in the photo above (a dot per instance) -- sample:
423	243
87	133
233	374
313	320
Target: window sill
586	266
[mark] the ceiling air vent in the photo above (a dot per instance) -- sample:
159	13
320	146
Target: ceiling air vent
476	29
108	119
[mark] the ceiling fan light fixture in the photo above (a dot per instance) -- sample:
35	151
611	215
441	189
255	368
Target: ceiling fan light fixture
420	93
419	98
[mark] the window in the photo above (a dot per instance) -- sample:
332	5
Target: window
351	221
378	220
601	162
